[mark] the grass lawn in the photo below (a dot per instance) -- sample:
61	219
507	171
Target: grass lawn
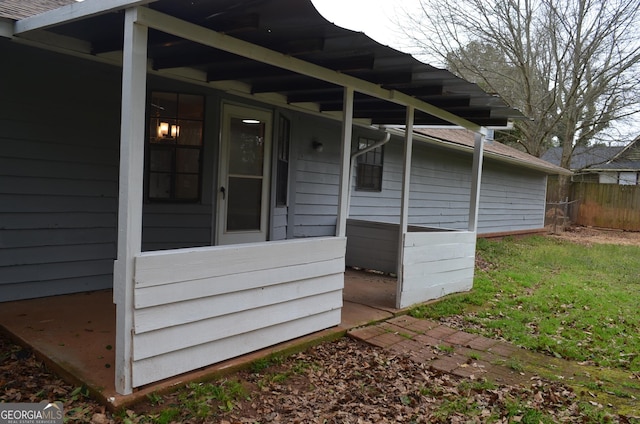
569	300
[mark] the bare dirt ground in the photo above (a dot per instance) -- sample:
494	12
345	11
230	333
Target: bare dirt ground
590	235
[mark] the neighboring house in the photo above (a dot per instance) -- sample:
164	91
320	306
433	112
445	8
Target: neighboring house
602	164
196	157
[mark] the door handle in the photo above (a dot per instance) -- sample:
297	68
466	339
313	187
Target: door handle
223	191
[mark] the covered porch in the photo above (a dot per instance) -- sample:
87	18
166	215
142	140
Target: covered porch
75	334
429	262
183	309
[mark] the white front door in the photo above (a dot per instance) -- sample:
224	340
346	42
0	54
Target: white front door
243	192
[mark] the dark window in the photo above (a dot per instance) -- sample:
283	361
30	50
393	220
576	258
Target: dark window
282	179
369	167
174	171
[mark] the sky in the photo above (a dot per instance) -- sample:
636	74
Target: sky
375	18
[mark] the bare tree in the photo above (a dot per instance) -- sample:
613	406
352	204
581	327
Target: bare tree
571	66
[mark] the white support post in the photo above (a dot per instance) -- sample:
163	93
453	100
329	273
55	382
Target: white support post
132	127
476	179
404	206
345	152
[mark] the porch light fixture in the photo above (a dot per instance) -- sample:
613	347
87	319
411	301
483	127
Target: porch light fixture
250	121
317	146
168	131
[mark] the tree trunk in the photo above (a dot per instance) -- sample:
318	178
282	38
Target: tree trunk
564	187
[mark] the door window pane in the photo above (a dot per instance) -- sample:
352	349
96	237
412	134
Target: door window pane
246	147
244	204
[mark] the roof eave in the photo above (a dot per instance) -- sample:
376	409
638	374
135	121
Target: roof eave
592	170
35	28
73	12
624	150
550	170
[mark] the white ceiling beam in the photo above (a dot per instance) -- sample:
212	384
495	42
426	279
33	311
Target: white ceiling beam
57	41
207	37
6	28
73	12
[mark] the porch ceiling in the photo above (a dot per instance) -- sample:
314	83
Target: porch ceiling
296	29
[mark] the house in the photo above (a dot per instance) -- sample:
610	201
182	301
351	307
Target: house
201	160
512	199
602	164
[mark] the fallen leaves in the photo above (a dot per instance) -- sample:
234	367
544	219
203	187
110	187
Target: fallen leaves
338	382
24	378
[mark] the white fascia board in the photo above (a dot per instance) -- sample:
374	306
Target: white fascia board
73	12
171	25
528	165
591	170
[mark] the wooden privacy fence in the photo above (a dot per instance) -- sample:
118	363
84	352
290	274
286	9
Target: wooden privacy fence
607	205
559	215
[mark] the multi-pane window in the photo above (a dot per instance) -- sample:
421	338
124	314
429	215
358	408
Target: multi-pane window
174	171
284	131
369	167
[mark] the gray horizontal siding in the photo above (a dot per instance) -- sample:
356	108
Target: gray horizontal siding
59	177
53	254
45	203
174	226
511	198
58	174
362	235
279	223
316	197
51	287
60	237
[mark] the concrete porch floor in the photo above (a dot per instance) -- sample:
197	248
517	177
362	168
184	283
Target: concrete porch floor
75	334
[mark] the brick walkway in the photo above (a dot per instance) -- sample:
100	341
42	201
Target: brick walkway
448	350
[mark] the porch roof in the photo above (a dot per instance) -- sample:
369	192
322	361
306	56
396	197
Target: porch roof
294	29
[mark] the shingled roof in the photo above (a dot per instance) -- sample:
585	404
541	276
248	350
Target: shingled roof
20	9
492	148
592	157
